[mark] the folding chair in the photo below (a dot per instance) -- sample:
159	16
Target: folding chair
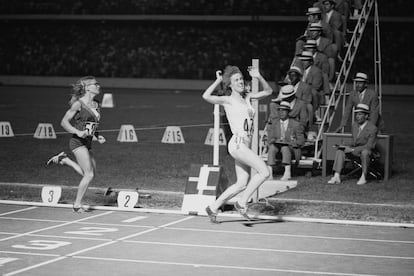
373	167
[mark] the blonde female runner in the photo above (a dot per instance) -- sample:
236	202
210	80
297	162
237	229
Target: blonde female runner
81	119
240	115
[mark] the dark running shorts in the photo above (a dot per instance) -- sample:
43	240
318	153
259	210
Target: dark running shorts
76	142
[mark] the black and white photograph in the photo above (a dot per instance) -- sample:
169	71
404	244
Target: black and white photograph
206	137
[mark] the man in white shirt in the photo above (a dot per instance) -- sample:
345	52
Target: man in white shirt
364	134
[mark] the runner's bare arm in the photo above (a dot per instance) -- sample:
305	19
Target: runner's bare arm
207	95
267	90
65	122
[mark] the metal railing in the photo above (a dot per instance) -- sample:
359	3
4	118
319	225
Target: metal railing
339	88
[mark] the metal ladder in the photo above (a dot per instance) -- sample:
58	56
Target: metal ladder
340	84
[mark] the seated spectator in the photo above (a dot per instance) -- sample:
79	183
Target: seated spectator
357	7
320	60
364	135
313	76
302	90
343	7
285	135
315	16
335	21
361	94
297	106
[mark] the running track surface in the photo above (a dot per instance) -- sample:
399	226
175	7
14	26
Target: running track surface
56	241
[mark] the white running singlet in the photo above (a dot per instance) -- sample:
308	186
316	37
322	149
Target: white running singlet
240	116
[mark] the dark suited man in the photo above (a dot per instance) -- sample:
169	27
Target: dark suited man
298	110
364	135
303	90
334	19
361	94
285	135
313	76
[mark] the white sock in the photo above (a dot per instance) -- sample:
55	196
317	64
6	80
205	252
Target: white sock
287	171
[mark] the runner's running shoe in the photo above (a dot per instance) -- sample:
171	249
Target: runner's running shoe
57	158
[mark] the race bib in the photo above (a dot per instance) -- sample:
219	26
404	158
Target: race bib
90	127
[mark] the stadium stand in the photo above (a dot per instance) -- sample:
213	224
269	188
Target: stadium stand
160	49
187	7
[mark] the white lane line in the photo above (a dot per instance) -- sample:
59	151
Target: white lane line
130	236
54	226
32	254
273	250
223	266
33	266
31	219
18	211
80	222
288	235
134	219
95	247
279	218
216	231
58	236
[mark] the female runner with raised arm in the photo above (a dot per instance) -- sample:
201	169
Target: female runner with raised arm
240	114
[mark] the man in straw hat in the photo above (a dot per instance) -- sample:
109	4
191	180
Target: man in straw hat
313	76
303	90
361	94
364	136
297	106
334	19
285	135
314	15
319	59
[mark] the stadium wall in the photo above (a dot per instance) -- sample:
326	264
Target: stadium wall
157	84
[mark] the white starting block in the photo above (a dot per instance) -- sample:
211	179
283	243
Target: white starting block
6	129
45	131
51	194
127	134
173	135
127	199
202	187
210	137
270	188
107	101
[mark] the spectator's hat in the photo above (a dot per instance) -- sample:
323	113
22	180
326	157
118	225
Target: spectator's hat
315	27
361	77
362	108
314	10
311	44
305	55
284	106
295	69
285	92
330	1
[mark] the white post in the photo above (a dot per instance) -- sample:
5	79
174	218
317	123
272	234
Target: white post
255	138
216	134
255	104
